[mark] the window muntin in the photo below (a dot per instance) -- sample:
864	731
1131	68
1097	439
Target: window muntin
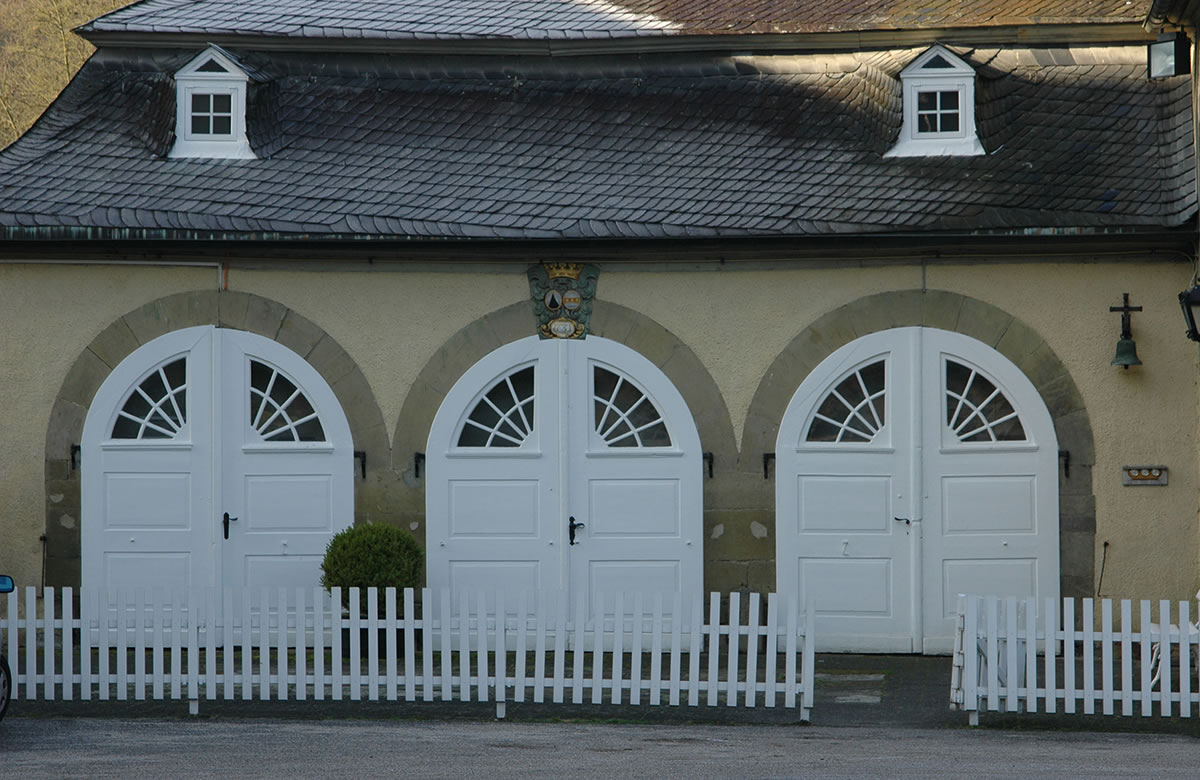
977	410
157	407
623	415
855	410
503	416
211	114
938	111
279	410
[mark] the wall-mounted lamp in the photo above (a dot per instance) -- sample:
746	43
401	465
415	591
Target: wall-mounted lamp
1126	348
1170	55
1189	301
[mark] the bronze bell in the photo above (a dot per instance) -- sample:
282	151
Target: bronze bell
1126	350
1126	354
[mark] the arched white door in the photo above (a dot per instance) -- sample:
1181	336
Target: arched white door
199	424
912	465
542	436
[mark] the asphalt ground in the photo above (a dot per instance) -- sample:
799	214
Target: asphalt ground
884	691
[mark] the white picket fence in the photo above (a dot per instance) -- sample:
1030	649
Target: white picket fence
1009	657
300	645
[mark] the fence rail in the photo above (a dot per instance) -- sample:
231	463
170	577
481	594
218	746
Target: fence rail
303	645
1015	655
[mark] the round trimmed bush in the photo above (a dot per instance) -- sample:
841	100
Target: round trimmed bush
368	555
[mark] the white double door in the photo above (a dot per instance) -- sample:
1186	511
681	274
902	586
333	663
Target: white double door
213	457
913	465
569	467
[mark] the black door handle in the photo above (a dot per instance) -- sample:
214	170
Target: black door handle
904	520
571	526
226	521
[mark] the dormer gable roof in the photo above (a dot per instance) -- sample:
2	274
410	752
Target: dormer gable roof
210	107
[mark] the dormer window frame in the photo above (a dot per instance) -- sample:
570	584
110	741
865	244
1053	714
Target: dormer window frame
200	112
937	72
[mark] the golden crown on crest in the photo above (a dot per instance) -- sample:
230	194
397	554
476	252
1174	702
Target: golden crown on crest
563	270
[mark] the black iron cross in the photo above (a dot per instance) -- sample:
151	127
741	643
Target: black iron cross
1125	309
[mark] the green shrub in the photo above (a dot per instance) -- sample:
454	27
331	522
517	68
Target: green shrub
368	555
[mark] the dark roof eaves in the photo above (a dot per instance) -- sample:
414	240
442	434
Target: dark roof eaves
812	42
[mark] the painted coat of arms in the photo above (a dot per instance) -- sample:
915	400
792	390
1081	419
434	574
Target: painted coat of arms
562	298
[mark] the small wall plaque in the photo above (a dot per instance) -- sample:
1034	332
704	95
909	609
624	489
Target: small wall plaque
1144	475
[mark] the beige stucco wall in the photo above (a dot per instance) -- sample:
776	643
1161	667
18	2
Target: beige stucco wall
392	323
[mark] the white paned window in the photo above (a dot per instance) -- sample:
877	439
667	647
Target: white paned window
976	410
503	417
624	415
279	410
938	92
212	114
210	104
855	410
157	407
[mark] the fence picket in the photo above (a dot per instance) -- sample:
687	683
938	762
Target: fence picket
1052	639
301	645
752	641
541	605
481	683
598	649
1164	663
789	662
1126	657
410	616
372	629
676	647
1011	646
1185	662
1070	689
1089	657
635	653
713	628
500	690
428	688
772	643
87	608
1031	670
618	649
1106	655
68	645
735	615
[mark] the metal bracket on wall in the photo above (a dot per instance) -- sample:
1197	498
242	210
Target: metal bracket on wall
418	460
708	459
1065	457
361	457
767	458
76	456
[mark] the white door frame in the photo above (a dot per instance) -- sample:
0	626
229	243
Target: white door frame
200	454
540	460
917	475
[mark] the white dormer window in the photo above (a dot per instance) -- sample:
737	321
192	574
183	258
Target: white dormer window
939	107
210	107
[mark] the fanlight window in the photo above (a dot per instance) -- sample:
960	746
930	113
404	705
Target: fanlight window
157	408
855	410
279	410
624	416
976	410
504	415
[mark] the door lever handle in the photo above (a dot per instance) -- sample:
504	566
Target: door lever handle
571	526
226	521
904	520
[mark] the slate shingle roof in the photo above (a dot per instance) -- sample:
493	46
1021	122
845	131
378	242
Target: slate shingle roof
375	146
590	19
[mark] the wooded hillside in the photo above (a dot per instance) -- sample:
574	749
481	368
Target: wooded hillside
39	54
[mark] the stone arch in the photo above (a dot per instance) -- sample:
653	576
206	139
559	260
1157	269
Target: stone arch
986	323
225	309
515	321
